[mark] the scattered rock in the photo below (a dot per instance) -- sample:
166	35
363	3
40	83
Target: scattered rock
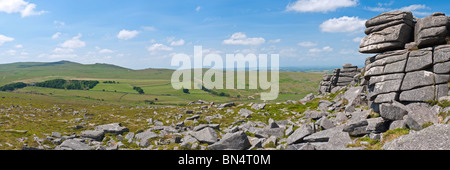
234	141
435	137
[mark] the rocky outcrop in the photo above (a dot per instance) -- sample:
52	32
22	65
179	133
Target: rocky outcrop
388	31
419	73
349	74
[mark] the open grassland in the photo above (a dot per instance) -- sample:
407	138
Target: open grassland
156	84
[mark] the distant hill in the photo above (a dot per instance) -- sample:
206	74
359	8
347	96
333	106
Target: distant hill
71	70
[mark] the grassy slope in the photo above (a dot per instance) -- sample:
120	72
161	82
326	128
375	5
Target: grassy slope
155	82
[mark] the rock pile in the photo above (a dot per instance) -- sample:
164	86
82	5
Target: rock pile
340	78
418	73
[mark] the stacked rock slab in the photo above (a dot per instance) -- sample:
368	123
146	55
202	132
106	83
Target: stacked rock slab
388	31
340	78
418	74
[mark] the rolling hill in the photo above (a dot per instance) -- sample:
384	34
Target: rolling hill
155	83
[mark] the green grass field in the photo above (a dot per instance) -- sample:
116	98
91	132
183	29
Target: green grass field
156	84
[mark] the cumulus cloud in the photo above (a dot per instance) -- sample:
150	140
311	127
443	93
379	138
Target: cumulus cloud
159	47
63	50
357	39
198	8
324	49
177	43
56	35
242	39
19	6
4	39
75	42
343	24
105	51
307	44
320	5
126	34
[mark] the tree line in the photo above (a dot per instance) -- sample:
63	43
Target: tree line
68	84
13	86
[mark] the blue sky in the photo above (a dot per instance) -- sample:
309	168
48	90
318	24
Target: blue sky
142	34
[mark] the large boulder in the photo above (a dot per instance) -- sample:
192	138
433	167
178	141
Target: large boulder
112	128
393	111
431	30
207	135
299	134
234	141
72	144
393	37
435	137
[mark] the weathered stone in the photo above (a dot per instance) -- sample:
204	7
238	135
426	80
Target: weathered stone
93	134
441	53
357	129
326	123
72	144
267	132
431	30
383	26
397	124
325	135
418	95
299	134
225	105
441	90
258	106
56	134
417	79
419	115
419	59
397	67
143	137
207	135
385	87
391	38
432	138
353	96
112	128
245	113
337	141
442	67
234	141
200	127
314	114
394	111
389	17
386	98
377	79
377	125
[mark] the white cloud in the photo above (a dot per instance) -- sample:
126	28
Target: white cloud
4	39
63	50
242	39
324	49
75	42
275	41
343	24
159	47
56	35
105	51
19	46
307	44
198	8
126	34
415	8
177	43
320	5
19	6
